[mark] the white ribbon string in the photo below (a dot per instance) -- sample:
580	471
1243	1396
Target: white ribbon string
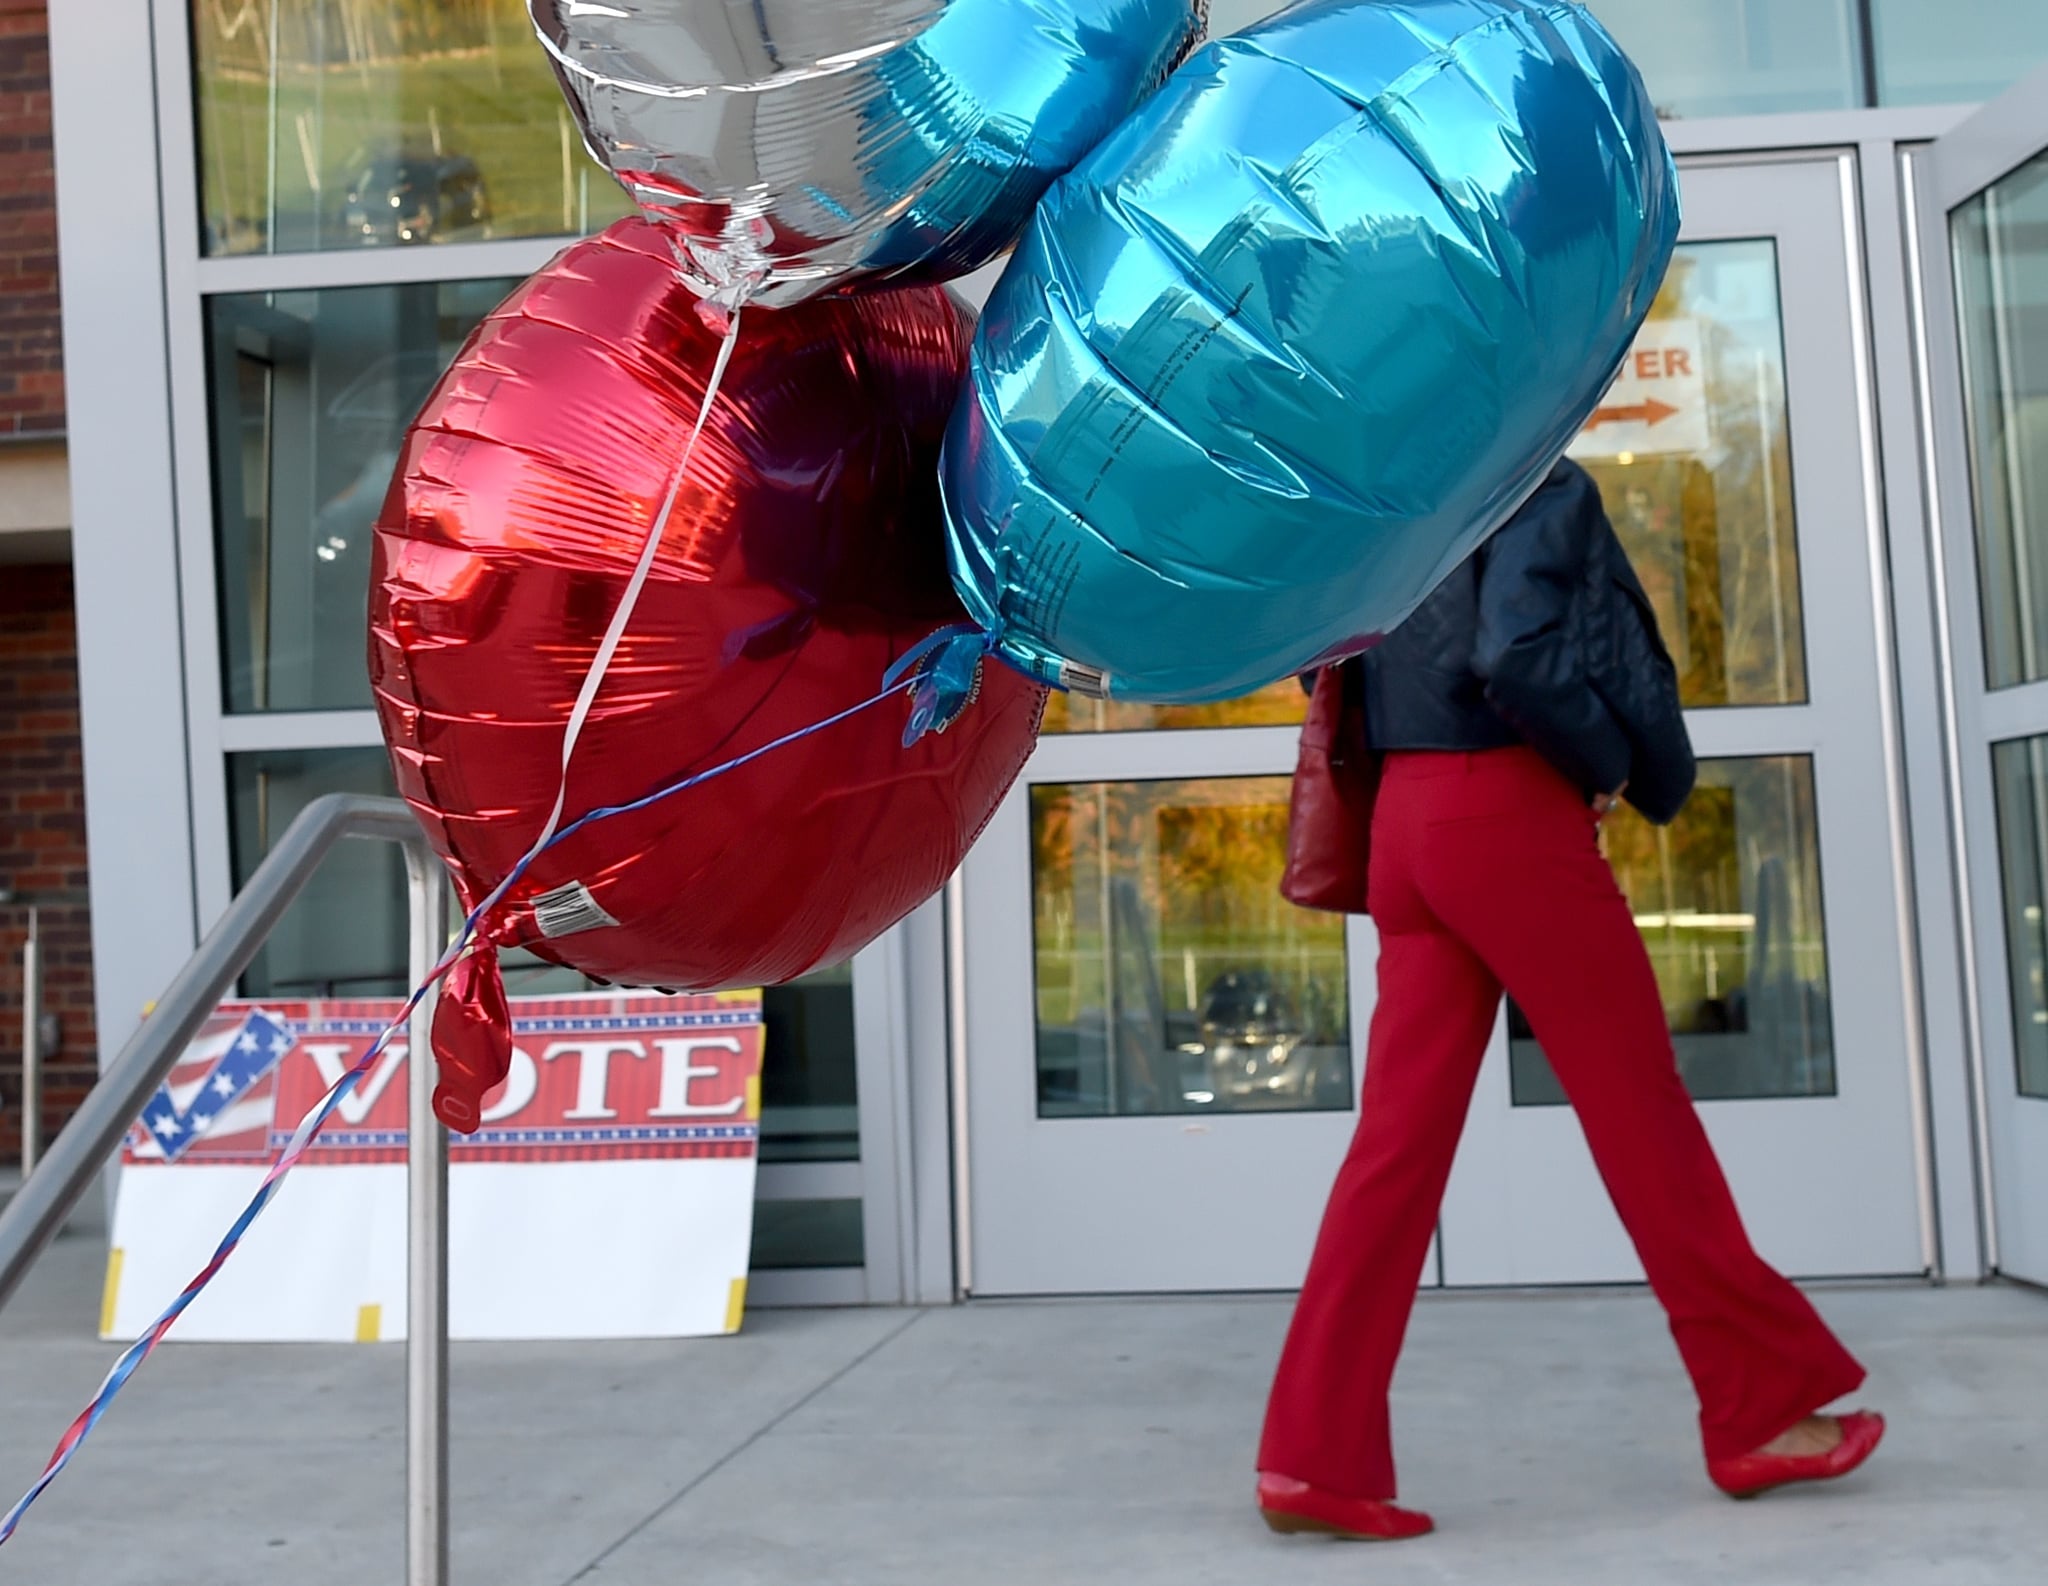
608	647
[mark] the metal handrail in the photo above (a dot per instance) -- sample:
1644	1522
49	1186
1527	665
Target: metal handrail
84	1146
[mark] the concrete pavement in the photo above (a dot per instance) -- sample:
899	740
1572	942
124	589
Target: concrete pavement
1085	1441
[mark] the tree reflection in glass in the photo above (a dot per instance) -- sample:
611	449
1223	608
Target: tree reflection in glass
1171	975
1703	501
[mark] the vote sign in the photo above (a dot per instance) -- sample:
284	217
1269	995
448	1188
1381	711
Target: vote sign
608	1193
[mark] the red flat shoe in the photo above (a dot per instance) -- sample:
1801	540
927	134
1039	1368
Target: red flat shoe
1746	1475
1292	1506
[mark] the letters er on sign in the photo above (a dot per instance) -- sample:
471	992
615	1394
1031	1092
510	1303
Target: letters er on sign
1657	405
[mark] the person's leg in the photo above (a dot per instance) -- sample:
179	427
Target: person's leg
1326	1422
1533	895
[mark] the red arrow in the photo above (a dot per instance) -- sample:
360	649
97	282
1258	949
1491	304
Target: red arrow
1648	411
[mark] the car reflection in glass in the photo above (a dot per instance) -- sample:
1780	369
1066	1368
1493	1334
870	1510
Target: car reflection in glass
1254	1046
409	198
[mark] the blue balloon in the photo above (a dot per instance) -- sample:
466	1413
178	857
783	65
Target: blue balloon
1314	321
972	122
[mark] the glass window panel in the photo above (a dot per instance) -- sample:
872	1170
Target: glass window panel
1741	57
2000	243
810	1101
1711	57
1692	451
345	936
808	1233
311	393
1728	900
810	1112
1171	975
1281	704
1931	54
2020	774
345	126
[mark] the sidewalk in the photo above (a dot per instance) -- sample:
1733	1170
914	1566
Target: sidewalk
1010	1445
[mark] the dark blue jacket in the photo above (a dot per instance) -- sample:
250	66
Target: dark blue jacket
1543	636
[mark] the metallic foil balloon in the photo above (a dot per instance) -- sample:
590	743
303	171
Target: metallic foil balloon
804	554
794	147
1309	325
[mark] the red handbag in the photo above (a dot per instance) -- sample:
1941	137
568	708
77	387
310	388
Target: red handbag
1329	815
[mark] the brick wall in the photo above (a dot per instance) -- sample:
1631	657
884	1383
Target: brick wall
42	840
31	353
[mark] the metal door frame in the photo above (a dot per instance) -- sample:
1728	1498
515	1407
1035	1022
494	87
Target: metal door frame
1938	179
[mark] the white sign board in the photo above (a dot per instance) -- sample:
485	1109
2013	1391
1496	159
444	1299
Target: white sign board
1657	405
608	1194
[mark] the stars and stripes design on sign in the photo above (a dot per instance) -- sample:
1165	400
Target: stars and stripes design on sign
218	1102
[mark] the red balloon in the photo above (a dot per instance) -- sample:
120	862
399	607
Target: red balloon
804	555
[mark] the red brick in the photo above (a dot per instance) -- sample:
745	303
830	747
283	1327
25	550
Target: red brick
29	311
42	840
41	787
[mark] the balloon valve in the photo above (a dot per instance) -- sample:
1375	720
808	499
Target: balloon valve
1090	682
948	682
457	1111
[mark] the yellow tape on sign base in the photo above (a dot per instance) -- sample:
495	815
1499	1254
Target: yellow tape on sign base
110	1292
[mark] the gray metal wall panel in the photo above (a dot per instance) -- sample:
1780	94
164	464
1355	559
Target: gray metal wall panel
124	539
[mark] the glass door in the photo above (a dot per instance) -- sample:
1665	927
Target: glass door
1983	222
1735	459
1161	1051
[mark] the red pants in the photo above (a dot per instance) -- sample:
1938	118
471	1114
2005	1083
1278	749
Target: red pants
1486	874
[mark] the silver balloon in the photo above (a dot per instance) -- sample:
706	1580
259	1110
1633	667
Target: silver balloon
793	147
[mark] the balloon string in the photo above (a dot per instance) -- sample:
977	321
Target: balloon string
901	680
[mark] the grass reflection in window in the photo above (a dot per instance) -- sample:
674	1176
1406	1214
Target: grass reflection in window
408	121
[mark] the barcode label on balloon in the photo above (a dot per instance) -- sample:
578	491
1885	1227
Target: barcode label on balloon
567	909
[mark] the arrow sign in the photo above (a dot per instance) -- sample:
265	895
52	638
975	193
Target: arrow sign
1657	406
1648	411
